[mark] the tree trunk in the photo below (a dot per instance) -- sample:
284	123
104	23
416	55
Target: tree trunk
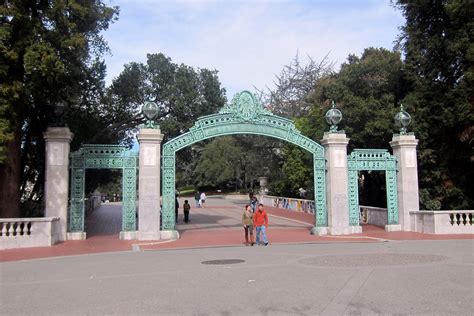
10	179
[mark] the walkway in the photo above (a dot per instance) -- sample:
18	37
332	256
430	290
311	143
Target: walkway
216	225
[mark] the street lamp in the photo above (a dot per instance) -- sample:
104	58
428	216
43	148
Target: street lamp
402	120
150	111
333	117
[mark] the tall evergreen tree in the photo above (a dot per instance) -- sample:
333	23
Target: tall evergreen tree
47	48
437	40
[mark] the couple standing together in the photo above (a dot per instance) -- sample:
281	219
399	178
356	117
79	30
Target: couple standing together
257	219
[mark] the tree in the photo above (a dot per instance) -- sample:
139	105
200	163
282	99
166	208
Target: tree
235	161
293	85
367	90
46	49
437	40
182	93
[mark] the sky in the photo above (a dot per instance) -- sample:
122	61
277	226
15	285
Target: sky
247	41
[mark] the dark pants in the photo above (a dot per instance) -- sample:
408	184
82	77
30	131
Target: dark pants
176	215
248	231
186	216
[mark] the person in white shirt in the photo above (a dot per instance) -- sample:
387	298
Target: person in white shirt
202	201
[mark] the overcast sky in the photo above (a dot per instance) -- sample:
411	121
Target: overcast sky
247	41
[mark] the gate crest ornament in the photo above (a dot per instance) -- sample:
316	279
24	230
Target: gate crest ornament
246	107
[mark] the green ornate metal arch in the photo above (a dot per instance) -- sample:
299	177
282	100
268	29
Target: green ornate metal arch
103	157
245	115
372	159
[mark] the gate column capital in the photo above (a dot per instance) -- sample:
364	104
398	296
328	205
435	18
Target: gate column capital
334	139
150	135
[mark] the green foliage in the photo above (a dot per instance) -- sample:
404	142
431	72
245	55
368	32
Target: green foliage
218	164
367	90
236	162
182	93
437	40
296	173
46	51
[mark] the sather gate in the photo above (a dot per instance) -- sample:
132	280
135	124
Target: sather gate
372	159
245	115
103	157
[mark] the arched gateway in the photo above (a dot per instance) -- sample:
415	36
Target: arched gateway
245	115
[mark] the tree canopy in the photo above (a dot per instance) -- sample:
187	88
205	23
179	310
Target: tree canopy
438	42
47	49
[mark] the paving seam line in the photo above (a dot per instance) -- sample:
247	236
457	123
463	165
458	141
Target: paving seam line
239	245
136	247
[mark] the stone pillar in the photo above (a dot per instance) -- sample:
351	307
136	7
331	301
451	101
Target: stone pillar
337	186
404	148
149	184
57	176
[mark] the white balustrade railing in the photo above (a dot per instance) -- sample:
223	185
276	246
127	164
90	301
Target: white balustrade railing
443	222
291	204
28	232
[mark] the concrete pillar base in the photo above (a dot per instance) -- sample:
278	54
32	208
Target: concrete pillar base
149	235
393	228
345	230
319	231
76	236
128	235
170	234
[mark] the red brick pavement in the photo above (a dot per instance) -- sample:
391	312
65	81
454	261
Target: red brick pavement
104	224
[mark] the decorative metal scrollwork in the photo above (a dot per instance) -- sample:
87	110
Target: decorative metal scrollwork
103	157
372	159
245	115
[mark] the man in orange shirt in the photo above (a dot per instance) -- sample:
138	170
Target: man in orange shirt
260	221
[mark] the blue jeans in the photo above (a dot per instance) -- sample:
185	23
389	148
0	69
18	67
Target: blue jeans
261	229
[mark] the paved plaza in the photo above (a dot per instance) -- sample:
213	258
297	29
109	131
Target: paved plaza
397	277
298	274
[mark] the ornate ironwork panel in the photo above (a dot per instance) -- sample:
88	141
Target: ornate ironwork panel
372	159
103	157
245	115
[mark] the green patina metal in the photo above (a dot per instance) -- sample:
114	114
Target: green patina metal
372	159
103	157
245	115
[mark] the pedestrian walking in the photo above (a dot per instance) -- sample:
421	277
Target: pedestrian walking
186	209
176	208
197	197
254	203
260	221
247	221
202	200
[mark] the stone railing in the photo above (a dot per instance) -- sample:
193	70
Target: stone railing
291	204
376	216
443	222
29	232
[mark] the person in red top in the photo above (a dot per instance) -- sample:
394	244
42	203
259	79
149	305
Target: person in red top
260	221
